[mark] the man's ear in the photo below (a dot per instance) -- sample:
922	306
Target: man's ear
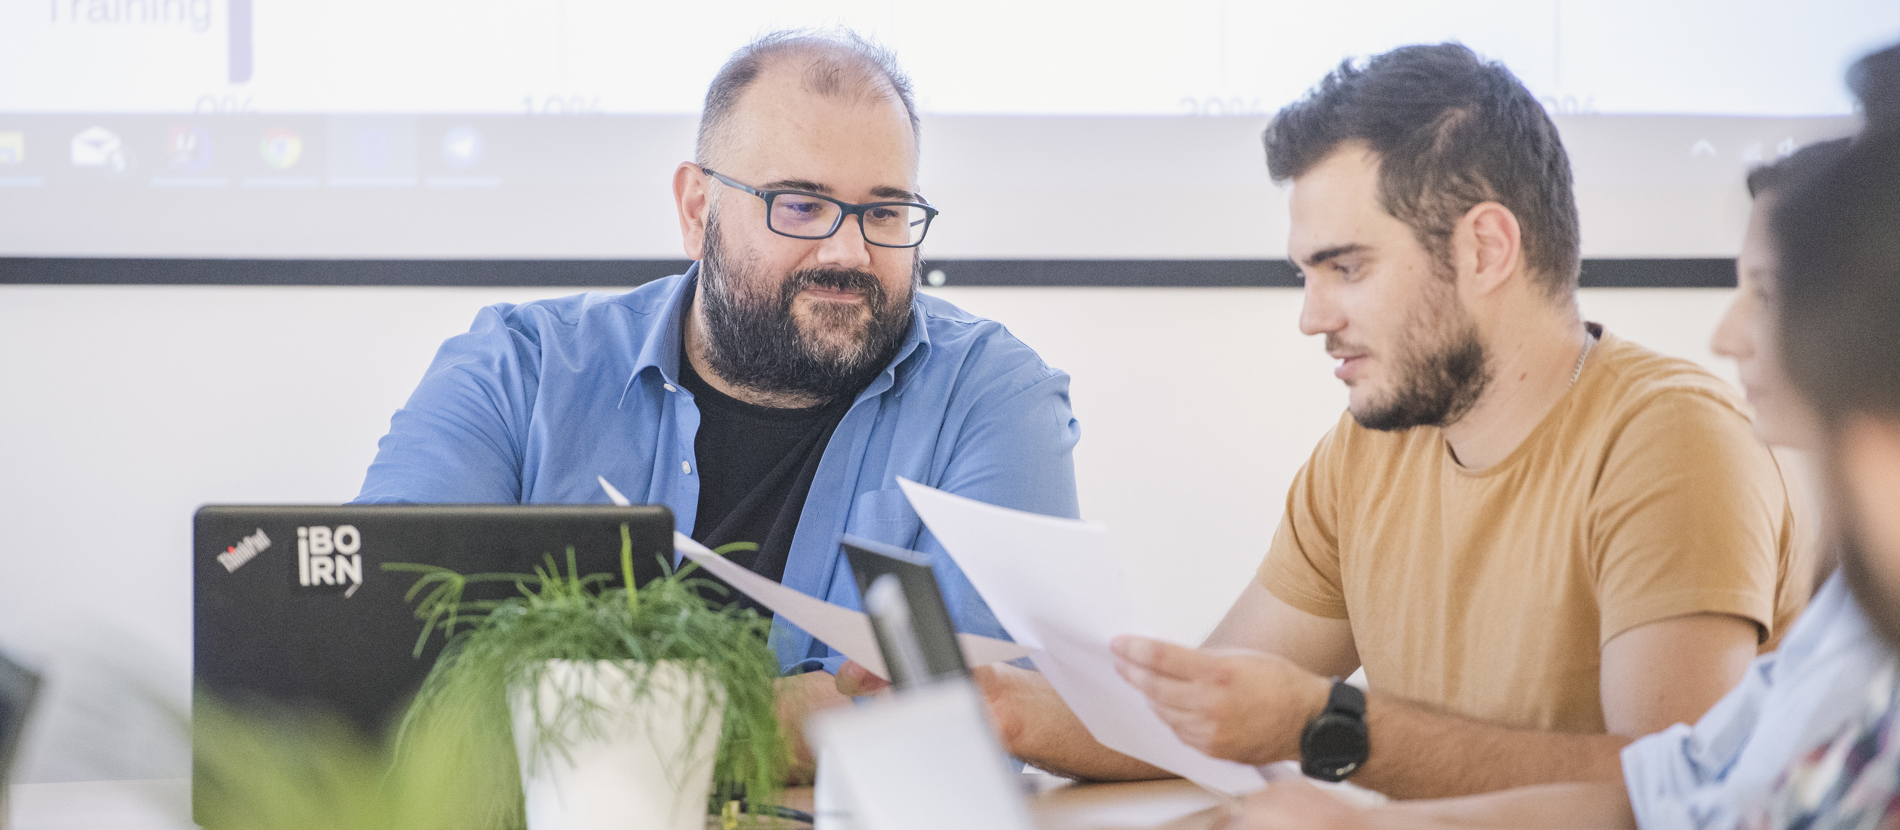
693	200
1487	245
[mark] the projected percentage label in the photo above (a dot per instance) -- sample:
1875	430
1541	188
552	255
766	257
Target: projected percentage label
222	103
561	104
1217	106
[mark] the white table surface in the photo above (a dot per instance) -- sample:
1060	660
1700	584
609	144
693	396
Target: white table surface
165	804
157	804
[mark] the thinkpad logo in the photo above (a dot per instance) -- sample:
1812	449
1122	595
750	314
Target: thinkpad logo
327	558
236	555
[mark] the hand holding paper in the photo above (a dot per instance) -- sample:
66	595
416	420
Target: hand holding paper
1054	585
1228	703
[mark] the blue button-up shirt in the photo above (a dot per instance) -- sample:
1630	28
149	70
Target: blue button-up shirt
1791	701
538	399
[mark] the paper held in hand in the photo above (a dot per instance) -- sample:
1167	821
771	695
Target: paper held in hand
1055	585
844	629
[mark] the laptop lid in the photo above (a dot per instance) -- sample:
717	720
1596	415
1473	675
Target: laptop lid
291	606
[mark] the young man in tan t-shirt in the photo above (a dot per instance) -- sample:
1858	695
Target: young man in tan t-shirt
1528	531
1642	496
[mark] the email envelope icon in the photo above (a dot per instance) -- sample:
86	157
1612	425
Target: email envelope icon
98	147
12	148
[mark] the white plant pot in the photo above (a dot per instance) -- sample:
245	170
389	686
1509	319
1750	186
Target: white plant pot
644	765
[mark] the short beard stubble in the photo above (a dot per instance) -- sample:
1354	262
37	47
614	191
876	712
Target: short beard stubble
1441	365
754	341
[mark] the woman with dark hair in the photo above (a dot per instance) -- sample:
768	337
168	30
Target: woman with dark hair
1840	237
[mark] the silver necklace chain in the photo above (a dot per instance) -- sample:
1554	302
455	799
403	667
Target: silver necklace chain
1588	344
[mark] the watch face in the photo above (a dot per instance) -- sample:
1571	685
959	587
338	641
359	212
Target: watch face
1334	746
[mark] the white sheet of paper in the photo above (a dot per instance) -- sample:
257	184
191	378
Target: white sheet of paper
835	625
841	628
1055	586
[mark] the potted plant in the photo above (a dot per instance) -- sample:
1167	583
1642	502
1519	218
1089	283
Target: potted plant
624	707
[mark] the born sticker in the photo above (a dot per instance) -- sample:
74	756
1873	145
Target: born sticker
327	558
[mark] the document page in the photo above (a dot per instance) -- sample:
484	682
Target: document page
1055	585
844	629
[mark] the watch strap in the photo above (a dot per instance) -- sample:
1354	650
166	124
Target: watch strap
1346	699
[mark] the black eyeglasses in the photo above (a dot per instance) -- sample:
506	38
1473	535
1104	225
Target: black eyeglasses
802	215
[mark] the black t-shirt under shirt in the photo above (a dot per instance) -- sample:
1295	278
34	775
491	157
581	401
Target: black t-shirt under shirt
755	468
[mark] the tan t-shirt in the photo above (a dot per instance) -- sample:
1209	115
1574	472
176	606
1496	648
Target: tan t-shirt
1642	495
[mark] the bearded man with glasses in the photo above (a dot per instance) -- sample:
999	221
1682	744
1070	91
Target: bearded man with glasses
775	392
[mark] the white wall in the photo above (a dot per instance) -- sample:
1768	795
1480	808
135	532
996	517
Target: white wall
124	408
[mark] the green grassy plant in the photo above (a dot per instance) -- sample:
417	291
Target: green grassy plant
462	712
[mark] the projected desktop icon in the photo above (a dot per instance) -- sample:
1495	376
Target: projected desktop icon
189	148
12	148
99	147
461	147
281	148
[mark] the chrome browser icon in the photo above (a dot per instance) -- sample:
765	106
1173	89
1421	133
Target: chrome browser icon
281	148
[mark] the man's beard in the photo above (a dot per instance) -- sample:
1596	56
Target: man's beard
753	341
1440	368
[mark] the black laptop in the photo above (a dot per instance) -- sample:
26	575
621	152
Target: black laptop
291	606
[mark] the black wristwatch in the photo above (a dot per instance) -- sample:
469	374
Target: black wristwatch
1334	744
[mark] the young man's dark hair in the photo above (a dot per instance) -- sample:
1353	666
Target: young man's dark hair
1451	131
